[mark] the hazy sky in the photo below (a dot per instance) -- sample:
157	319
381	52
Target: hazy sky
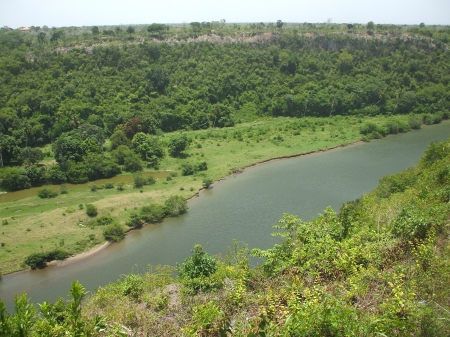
63	13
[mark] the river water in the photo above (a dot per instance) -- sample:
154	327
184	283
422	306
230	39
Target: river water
243	207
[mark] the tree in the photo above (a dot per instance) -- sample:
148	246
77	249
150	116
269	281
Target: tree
280	24
41	37
95	30
177	145
148	147
158	79
196	27
69	146
130	30
370	25
157	28
132	163
114	232
119	138
32	155
175	205
13	179
94	132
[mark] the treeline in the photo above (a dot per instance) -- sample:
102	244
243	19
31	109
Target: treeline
159	85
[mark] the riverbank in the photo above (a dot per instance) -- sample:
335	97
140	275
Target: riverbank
40	224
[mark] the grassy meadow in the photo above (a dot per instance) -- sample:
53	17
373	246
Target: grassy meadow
37	225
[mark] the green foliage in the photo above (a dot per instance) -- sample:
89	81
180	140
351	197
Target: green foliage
47	193
372	130
114	232
190	168
175	205
178	144
39	259
206	320
152	213
103	220
13	179
199	264
207	182
91	210
139	180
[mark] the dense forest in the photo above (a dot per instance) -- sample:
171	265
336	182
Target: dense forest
89	90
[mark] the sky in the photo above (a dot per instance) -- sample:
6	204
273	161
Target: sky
65	13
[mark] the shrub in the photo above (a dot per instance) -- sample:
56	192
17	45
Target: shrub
93	187
175	205
109	185
415	122
114	232
192	168
63	189
135	221
91	210
207	182
120	186
104	220
199	264
152	213
151	181
39	259
46	193
35	260
139	180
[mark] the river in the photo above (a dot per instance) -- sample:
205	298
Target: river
243	207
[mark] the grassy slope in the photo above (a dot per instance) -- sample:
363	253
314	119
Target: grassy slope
41	224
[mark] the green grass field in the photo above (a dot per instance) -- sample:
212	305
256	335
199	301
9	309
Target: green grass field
35	225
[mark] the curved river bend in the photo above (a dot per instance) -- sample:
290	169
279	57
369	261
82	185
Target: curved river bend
243	207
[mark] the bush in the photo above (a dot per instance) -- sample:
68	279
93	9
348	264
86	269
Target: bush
152	213
192	168
415	122
175	205
139	180
109	185
39	259
13	179
46	193
207	182
199	264
35	260
104	220
151	181
91	210
114	232
135	221
63	189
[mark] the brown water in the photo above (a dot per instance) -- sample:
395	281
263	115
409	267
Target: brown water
31	192
244	208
